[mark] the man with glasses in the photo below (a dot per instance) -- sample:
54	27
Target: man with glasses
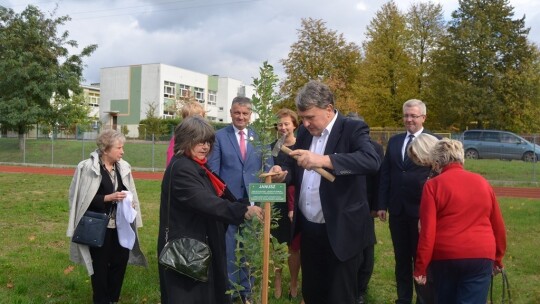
400	191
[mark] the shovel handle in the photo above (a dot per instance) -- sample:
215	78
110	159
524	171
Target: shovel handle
327	175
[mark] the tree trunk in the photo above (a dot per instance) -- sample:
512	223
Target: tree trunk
21	139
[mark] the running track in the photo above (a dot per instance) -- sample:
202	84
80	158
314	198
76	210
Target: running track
499	191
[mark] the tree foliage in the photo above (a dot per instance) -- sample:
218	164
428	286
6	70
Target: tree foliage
321	54
387	76
426	26
35	64
485	69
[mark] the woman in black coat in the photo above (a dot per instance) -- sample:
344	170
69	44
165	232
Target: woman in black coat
199	209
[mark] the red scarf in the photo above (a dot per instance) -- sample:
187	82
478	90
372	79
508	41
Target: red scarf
218	184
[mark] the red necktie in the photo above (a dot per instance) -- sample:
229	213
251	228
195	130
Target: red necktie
242	145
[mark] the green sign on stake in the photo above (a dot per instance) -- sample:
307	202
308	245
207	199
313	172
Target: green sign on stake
267	192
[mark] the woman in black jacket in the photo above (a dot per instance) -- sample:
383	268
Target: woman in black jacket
199	208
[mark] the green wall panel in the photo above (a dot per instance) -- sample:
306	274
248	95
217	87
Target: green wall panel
213	83
132	113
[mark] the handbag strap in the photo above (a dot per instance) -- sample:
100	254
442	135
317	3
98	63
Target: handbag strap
506	294
169	202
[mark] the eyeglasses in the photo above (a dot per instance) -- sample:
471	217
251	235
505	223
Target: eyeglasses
204	143
413	116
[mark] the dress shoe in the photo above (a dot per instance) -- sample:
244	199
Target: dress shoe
360	300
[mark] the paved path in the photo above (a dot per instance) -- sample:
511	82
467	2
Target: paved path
499	191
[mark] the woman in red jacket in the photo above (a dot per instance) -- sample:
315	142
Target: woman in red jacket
462	236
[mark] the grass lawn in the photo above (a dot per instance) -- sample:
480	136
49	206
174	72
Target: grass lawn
35	266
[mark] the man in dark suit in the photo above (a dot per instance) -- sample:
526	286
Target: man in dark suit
400	191
237	162
333	217
372	184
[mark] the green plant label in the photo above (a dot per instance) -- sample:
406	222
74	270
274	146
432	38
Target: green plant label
267	192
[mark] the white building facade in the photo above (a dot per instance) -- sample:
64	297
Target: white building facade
128	91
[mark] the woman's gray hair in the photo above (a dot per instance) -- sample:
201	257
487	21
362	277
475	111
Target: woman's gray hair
314	94
415	103
447	151
107	138
419	151
191	131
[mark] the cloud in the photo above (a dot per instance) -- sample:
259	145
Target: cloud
226	37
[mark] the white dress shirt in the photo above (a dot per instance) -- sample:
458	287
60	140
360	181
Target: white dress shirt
310	200
406	139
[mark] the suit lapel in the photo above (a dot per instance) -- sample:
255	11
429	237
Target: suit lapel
335	135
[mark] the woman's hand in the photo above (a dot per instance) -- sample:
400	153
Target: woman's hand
420	280
291	215
497	270
254	211
115	197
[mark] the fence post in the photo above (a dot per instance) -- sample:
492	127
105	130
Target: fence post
153	145
535	162
52	147
24	148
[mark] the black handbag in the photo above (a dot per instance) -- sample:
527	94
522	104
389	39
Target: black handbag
187	256
506	295
91	229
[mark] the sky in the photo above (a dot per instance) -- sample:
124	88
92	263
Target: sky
229	38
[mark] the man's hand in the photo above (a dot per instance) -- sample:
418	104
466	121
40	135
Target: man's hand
309	160
382	215
280	176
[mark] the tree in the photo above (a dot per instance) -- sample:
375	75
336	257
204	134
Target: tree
35	64
485	68
152	124
425	24
387	75
67	112
321	54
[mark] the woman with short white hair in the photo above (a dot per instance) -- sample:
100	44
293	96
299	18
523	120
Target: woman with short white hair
463	237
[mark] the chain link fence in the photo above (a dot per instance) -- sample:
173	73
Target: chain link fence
67	147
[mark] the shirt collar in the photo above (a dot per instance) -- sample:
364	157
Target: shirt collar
330	125
415	134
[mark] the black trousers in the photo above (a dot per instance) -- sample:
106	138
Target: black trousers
366	269
325	279
109	262
404	232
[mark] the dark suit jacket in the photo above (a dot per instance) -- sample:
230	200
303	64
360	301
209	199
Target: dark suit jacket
344	202
226	161
196	211
401	183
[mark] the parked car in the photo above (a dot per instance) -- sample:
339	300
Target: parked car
497	144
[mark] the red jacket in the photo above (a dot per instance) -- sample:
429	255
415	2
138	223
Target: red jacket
460	219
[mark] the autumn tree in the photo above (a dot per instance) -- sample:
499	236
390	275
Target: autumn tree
387	76
426	26
321	54
35	65
485	69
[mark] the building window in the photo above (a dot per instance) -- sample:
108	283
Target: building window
169	89
220	108
199	94
184	90
93	99
168	114
212	97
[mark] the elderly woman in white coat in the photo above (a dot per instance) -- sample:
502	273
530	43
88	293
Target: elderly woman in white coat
101	183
